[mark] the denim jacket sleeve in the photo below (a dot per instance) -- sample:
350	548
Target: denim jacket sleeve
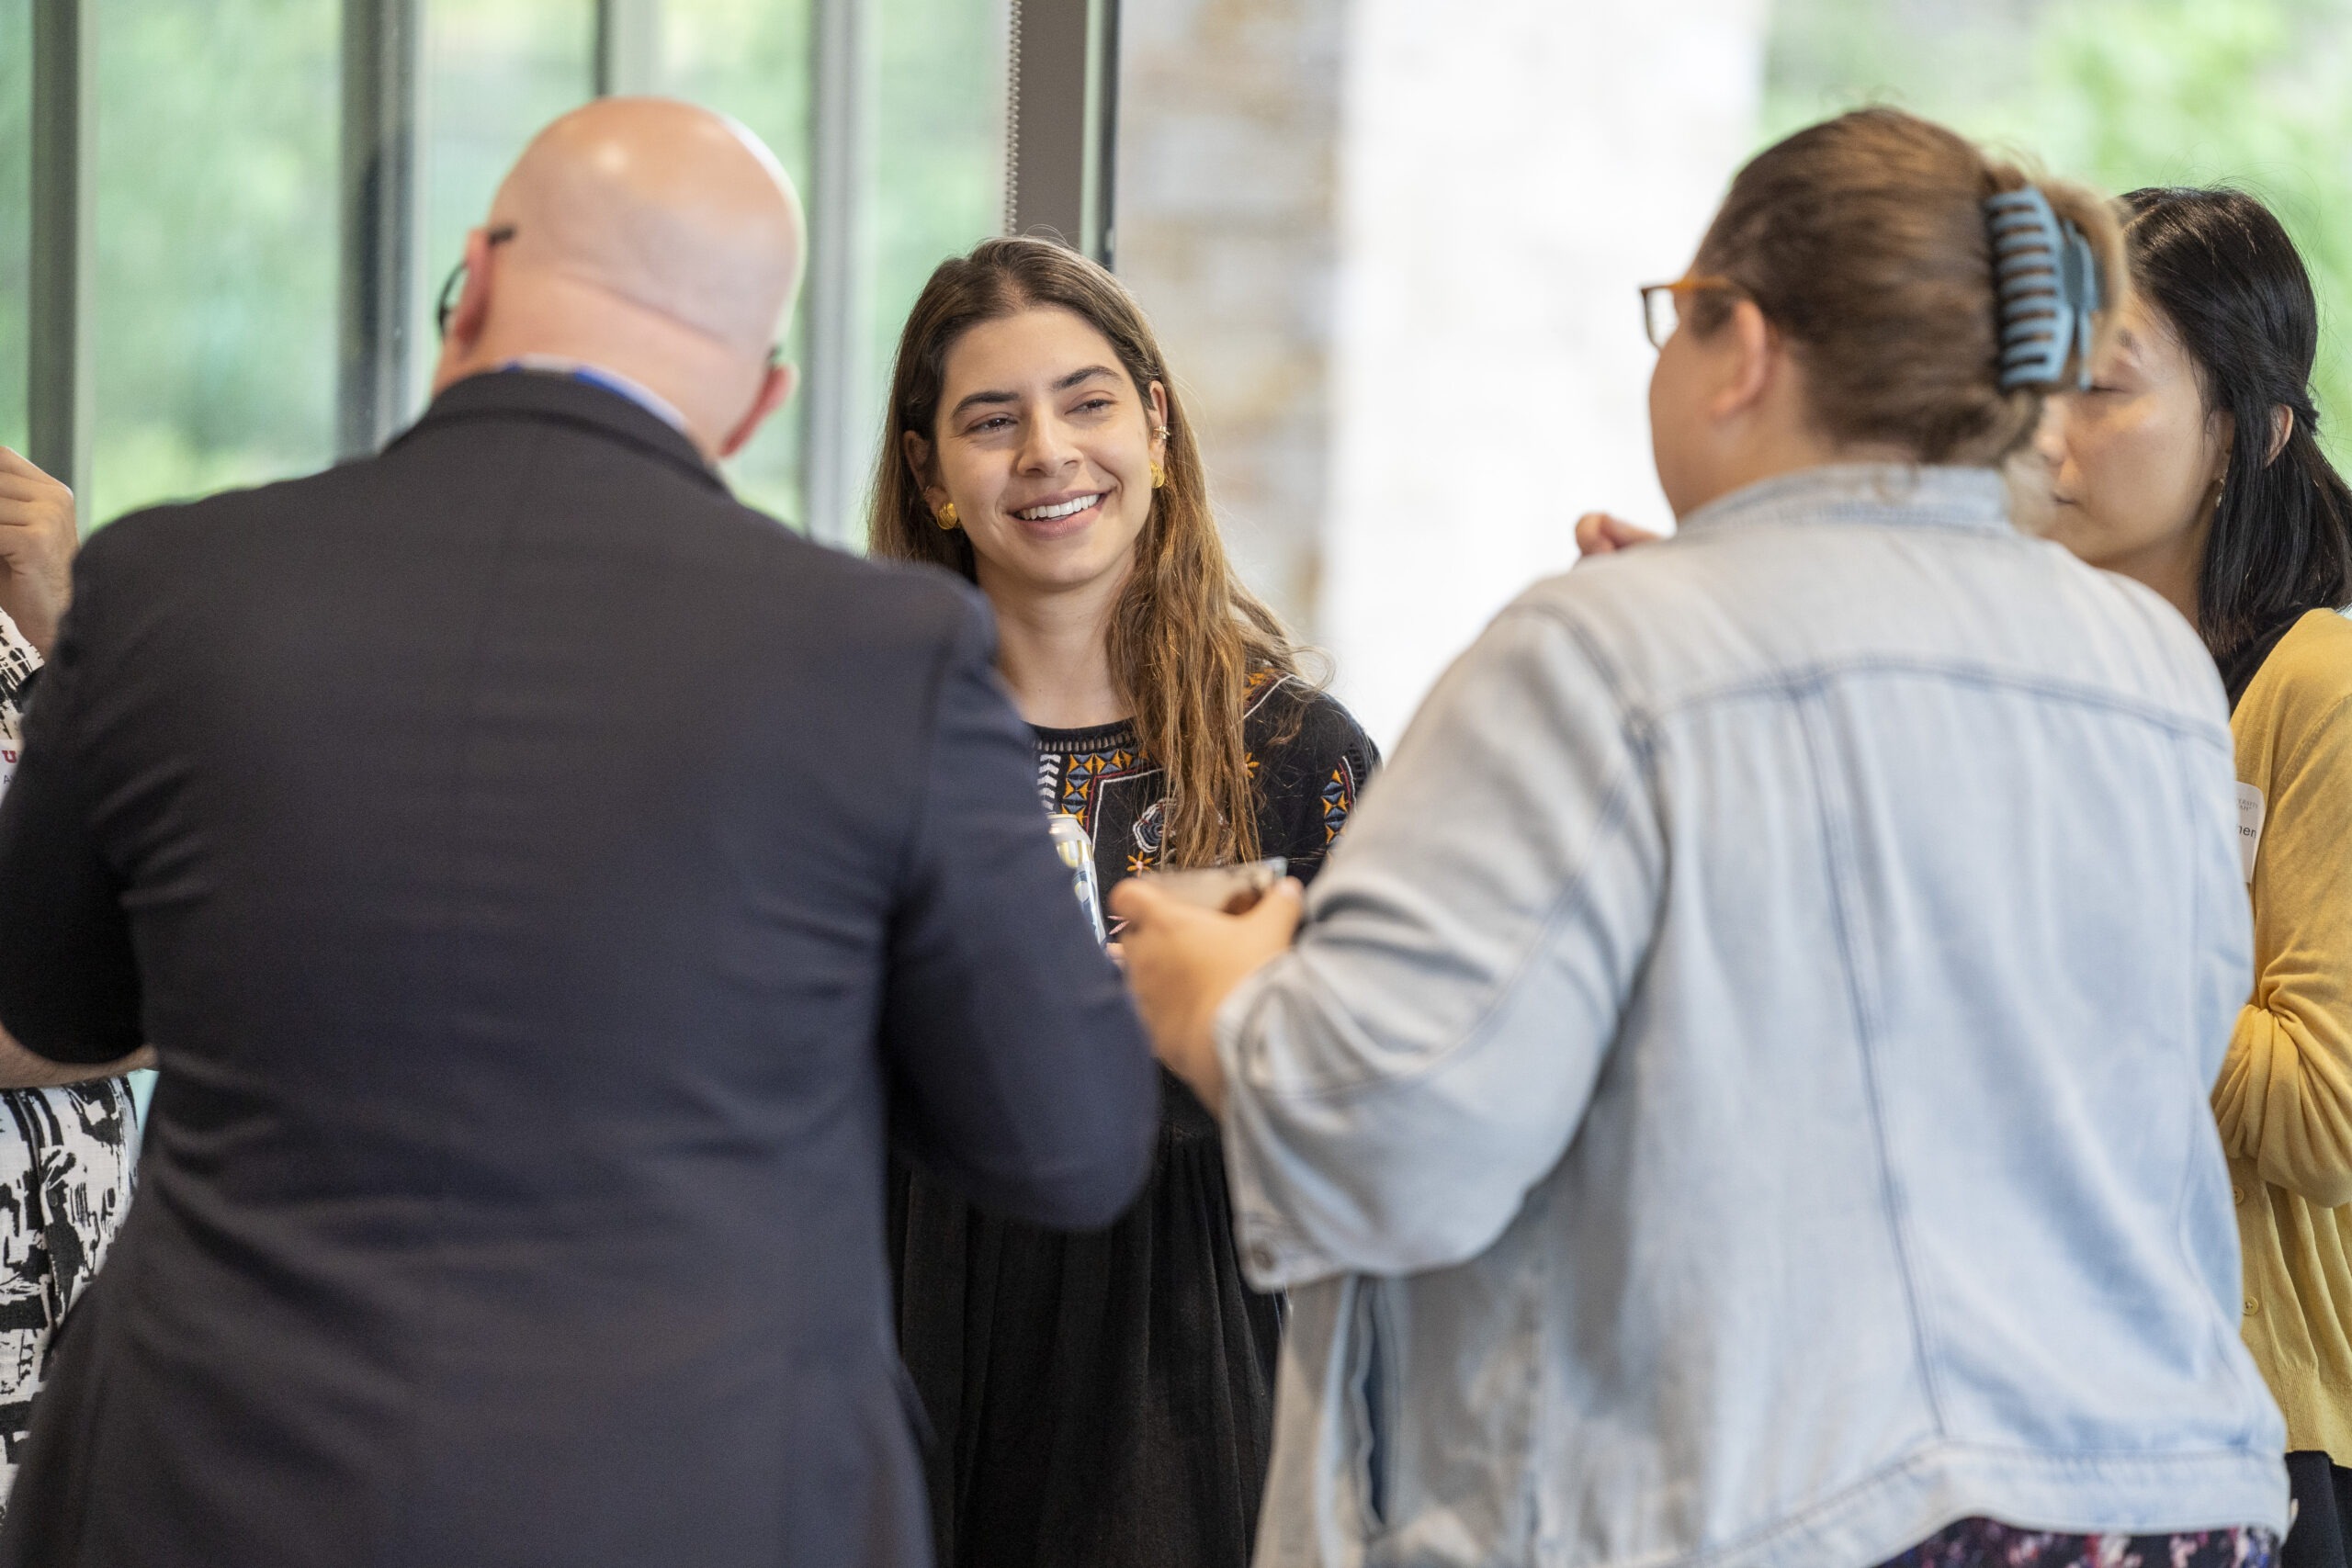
1398	1081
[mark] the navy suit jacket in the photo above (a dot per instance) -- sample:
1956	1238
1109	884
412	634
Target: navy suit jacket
542	877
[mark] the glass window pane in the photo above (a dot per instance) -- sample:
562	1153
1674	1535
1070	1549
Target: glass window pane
494	73
16	212
938	152
214	308
213	320
752	59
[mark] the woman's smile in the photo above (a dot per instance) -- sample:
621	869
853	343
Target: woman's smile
1059	516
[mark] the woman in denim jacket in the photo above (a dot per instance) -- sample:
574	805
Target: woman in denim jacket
1738	1096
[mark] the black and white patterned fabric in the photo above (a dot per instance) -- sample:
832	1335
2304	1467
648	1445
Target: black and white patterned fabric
66	1159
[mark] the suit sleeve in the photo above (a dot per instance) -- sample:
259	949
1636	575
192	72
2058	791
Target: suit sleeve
69	985
2285	1095
1021	1070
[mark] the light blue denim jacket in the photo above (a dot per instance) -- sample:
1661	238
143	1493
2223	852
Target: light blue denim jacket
1740	1098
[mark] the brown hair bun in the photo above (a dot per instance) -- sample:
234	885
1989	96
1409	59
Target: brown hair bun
1863	241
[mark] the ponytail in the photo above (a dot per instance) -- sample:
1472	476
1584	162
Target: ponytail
1865	240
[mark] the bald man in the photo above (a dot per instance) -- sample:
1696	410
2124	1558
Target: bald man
540	877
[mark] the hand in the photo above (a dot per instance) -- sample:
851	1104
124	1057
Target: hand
1183	962
20	1068
1599	534
36	545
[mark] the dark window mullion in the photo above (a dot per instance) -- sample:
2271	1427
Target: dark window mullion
382	40
59	394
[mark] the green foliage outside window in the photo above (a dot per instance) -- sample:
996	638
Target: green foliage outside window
213	307
752	59
2256	93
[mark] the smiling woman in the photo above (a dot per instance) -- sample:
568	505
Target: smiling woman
1107	1397
1059	393
1056	468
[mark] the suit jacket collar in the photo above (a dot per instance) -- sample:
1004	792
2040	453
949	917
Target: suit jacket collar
561	400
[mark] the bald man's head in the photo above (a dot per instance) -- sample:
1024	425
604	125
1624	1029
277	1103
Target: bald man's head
670	208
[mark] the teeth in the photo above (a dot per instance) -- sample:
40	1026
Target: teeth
1067	508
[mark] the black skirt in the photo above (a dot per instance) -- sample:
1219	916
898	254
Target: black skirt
1097	1400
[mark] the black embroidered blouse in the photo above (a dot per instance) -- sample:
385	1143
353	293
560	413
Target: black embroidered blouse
1307	759
1108	1397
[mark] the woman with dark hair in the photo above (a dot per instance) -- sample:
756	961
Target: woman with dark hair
1101	1399
2193	464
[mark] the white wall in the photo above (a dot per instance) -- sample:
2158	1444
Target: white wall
1510	172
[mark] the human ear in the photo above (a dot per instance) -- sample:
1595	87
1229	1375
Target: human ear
472	313
917	452
1748	350
2224	429
1159	422
469	318
775	385
2282	425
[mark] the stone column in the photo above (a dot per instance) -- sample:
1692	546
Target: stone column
1228	126
1392	247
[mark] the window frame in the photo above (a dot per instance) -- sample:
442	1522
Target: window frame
1060	123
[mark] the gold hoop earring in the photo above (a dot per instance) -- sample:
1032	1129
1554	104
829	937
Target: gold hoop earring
1158	477
946	518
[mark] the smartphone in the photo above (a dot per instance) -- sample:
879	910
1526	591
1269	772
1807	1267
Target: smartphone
1234	889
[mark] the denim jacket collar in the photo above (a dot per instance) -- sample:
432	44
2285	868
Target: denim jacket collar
1932	496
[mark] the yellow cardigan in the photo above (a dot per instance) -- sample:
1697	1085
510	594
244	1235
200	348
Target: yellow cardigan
2285	1095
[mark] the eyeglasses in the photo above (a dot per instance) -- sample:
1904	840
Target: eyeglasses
447	303
1662	303
448	300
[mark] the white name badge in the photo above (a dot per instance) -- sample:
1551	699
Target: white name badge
2249	828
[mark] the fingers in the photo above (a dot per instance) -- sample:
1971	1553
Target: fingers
1135	902
16	466
34	488
1278	913
1599	533
30	496
1627	534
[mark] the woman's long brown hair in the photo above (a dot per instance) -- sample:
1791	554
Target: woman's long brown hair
1185	636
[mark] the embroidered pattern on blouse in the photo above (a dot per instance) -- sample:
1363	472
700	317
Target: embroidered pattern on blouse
1074	782
1305	769
1339	797
1150	836
1071	782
